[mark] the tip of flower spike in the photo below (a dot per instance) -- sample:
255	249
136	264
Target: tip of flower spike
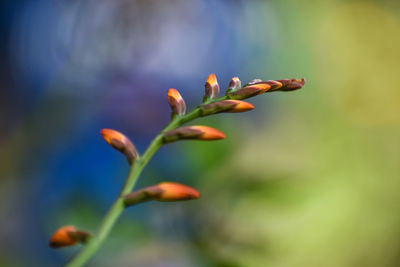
291	84
209	133
170	191
67	236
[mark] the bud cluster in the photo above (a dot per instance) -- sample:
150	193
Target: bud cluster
231	102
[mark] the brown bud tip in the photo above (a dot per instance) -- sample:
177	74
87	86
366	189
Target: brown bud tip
169	191
63	237
234	84
211	87
176	102
291	84
121	143
193	132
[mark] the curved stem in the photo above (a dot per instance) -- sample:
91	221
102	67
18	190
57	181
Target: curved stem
118	206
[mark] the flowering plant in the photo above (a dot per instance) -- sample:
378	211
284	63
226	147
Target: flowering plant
231	102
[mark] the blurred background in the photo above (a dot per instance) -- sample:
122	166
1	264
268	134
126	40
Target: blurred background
308	178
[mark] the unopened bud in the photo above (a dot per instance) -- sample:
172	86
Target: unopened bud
121	143
250	91
166	191
225	106
193	132
68	236
176	102
234	85
291	84
211	87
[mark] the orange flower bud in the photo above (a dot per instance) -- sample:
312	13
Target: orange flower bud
234	84
193	132
250	90
176	102
121	143
67	236
212	87
166	191
175	192
225	106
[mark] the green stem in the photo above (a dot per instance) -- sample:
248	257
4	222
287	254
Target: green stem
118	206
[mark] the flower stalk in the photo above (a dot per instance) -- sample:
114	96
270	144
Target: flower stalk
212	104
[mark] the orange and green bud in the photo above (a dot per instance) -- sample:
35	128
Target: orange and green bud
176	102
225	106
166	191
121	143
234	85
68	236
211	87
193	132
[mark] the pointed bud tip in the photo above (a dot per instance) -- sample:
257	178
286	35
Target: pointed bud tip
171	191
241	106
172	92
121	143
209	133
212	79
109	135
63	238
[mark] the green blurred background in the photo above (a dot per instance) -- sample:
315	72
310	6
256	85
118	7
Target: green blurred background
308	178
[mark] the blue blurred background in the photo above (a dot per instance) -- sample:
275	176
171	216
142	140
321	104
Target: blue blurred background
308	178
